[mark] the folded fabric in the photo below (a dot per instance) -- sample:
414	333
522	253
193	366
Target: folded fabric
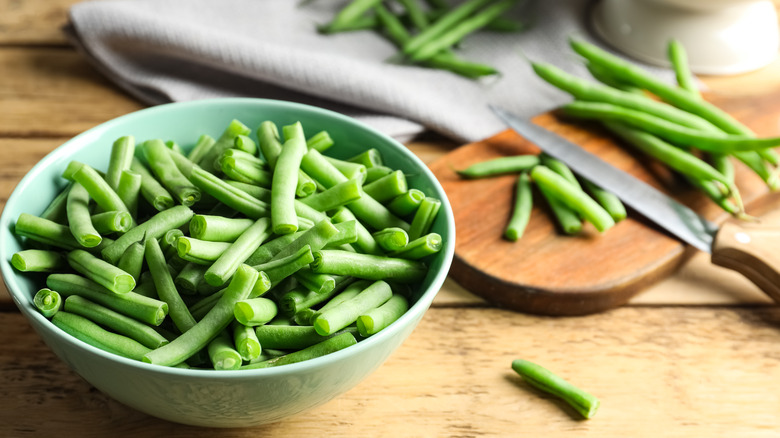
178	50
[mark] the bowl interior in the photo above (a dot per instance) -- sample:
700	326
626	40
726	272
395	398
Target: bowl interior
184	123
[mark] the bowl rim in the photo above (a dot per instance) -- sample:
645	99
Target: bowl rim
76	142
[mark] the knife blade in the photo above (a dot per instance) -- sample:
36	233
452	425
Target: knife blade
750	251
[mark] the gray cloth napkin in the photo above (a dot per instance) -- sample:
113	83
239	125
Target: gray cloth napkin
178	50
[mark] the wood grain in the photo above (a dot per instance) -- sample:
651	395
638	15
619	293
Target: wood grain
33	22
549	273
693	372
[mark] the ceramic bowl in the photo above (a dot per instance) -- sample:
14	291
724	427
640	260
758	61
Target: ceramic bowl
207	397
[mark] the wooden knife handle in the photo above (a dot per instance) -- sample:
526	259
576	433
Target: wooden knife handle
753	251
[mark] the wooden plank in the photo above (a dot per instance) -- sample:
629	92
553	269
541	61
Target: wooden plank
51	92
32	22
687	372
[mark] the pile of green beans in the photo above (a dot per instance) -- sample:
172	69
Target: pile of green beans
244	251
426	33
669	123
571	200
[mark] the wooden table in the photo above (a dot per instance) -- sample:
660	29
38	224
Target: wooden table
696	355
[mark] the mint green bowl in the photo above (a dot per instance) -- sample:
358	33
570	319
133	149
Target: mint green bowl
207	397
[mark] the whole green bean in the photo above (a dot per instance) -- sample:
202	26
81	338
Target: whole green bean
607	199
349	14
568	220
87	331
47	301
367	266
679	60
499	166
79	220
115	321
101	272
443	24
38	260
521	212
545	380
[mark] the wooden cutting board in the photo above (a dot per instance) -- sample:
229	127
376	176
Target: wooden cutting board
549	273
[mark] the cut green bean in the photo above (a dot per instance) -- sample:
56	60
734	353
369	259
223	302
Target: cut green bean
114	321
320	283
522	208
109	222
575	198
255	311
122	152
202	252
365	241
419	248
245	144
166	289
164	168
280	268
388	187
297	299
284	218
320	141
268	250
368	158
349	169
332	320
142	308
154	228
101	272
132	260
269	141
406	204
129	190
38	260
79	220
374	320
91	333
607	199
246	171
567	219
238	252
246	342
223	354
320	349
228	194
56	211
376	172
218	228
45	231
499	166
391	239
424	217
189	277
97	187
47	301
367	266
204	143
545	380
287	337
225	141
151	189
336	196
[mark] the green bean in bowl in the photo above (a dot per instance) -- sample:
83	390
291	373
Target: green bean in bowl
217	263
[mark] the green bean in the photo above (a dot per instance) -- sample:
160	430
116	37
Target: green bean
374	320
225	141
122	152
545	380
269	141
336	196
352	12
166	171
56	211
229	195
424	217
521	212
216	320
112	222
349	169
154	227
38	260
391	239
245	144
347	234
679	60
423	246
499	166
145	309
320	283
47	301
132	260
79	220
368	158
255	311
101	272
202	306
114	321
443	24
268	250
151	189
45	231
457	32
245	171
323	348
129	190
204	143
218	228
223	354
190	277
238	252
568	220
202	252
99	190
416	15
407	203
91	333
367	266
332	320
285	177
603	75
304	317
166	289
376	172
388	187
606	199
168	243
573	197
365	241
246	342
560	168
287	337
280	268
582	89
297	299
320	141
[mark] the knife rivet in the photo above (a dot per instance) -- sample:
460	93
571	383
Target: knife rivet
742	237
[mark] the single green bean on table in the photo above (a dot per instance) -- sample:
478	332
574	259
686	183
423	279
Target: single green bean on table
541	378
522	208
499	166
47	301
38	260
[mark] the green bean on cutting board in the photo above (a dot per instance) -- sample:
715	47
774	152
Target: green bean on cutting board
181	259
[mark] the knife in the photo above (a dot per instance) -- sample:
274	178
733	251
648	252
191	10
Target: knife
752	251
